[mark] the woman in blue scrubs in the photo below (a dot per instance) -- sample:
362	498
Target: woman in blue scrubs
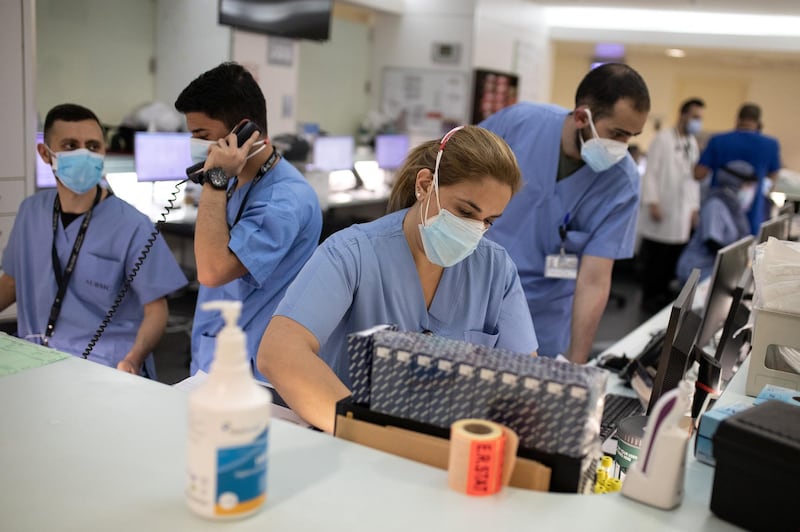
423	267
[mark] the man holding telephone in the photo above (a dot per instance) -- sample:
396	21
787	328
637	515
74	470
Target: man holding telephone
258	219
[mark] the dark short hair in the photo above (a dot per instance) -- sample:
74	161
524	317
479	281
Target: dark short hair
605	85
750	111
227	93
68	112
691	102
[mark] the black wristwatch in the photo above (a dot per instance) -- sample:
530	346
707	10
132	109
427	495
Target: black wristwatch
216	178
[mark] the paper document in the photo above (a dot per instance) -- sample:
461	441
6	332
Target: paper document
18	355
278	411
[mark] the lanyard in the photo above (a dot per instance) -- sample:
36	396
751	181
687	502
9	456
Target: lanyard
62	278
683	146
266	167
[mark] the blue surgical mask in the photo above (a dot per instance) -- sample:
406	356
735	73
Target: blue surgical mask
78	170
446	238
199	149
694	126
601	154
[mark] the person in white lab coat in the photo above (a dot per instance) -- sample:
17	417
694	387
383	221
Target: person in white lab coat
670	202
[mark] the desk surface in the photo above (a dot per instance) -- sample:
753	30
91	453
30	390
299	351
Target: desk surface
84	445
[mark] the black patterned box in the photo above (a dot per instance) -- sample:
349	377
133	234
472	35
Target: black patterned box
360	348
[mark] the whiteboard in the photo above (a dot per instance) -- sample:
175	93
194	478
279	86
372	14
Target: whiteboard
425	101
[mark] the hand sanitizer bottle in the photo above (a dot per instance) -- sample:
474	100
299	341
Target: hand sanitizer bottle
229	418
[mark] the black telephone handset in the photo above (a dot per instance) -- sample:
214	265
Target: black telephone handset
243	132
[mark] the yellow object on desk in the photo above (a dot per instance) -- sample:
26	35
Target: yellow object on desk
18	355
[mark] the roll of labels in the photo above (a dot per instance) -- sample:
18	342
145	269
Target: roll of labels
482	456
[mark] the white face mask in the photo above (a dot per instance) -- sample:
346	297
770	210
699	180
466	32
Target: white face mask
601	154
446	238
746	195
199	149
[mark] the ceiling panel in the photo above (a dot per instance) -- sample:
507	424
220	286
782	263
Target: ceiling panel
775	7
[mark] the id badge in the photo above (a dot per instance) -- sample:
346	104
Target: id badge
561	266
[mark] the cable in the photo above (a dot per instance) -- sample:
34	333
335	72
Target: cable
151	240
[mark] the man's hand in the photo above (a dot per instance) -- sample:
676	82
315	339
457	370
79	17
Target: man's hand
228	155
129	367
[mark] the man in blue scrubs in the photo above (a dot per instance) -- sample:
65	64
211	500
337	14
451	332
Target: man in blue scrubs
576	212
258	219
745	143
72	248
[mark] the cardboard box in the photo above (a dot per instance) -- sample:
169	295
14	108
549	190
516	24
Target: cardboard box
422	443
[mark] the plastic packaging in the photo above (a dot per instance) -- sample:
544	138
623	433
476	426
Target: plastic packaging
229	418
776	273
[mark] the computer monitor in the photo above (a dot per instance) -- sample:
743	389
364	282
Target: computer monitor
729	348
777	227
333	153
679	341
391	150
787	208
161	155
730	263
44	172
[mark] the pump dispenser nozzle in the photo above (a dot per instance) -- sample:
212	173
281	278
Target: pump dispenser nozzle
231	344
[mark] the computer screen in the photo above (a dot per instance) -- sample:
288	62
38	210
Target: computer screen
777	227
729	349
391	150
730	263
333	153
678	342
44	172
161	156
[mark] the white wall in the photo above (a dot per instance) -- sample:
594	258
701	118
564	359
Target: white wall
406	40
511	36
335	71
188	41
95	53
277	82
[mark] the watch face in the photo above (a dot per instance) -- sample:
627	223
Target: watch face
217	178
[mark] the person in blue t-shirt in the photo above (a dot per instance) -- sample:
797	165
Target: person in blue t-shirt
258	219
423	267
576	213
73	248
745	143
723	218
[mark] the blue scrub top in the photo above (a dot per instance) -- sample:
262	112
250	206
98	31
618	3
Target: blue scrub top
277	233
114	241
365	275
717	223
761	151
602	209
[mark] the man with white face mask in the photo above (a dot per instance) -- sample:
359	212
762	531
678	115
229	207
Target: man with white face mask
72	248
258	219
670	203
577	212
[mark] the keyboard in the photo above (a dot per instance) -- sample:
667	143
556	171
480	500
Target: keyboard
616	408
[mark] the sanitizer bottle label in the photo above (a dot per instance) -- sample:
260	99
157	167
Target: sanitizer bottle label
241	477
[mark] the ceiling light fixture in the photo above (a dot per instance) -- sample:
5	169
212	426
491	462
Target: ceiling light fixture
675	52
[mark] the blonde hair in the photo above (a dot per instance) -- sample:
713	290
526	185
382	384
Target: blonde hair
471	154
